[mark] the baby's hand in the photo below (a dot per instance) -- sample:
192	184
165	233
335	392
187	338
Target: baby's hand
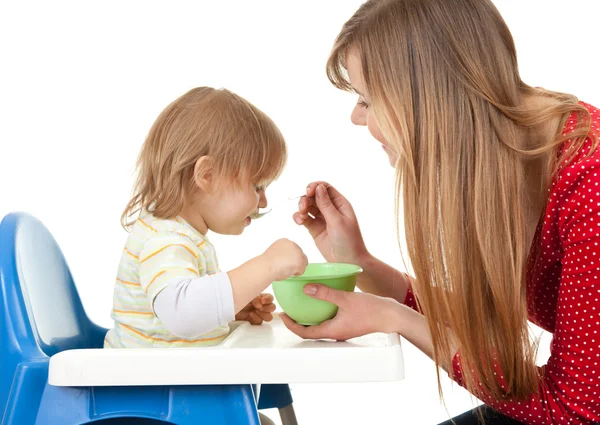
259	310
286	259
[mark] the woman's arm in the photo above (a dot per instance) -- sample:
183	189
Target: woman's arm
379	278
361	314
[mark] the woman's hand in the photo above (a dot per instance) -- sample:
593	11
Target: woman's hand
358	314
361	314
331	222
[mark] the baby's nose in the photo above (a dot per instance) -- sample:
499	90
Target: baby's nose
262	200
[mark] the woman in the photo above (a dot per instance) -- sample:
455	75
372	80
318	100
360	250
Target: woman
501	190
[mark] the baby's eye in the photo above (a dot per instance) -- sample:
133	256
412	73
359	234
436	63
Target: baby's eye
259	188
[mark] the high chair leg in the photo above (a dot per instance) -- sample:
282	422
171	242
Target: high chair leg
265	420
287	415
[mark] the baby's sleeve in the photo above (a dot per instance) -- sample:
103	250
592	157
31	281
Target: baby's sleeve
167	257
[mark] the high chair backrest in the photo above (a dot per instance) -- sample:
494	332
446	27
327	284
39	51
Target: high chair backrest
41	305
42	312
40	309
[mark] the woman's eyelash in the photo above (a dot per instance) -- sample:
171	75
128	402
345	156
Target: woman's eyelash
363	103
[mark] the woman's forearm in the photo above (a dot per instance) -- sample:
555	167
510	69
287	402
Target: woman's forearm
412	325
381	279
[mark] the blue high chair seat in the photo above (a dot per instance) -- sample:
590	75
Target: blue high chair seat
42	315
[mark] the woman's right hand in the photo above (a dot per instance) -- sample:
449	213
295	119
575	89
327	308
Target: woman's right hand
330	220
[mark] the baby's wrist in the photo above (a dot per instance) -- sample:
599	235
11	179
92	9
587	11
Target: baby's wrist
267	264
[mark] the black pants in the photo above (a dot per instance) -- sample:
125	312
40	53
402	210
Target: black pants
491	418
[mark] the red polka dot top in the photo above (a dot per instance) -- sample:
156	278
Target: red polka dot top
563	295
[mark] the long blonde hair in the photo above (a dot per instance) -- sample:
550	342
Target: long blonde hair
240	139
444	85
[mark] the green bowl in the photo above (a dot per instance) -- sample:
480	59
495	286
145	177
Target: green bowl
307	310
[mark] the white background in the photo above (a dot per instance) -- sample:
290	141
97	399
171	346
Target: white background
82	82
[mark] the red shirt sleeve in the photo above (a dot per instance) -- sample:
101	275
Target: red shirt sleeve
410	300
569	385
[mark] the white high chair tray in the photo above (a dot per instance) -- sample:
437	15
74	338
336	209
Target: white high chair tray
266	354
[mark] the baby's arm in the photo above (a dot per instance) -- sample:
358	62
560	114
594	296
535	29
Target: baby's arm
281	260
187	301
189	304
192	307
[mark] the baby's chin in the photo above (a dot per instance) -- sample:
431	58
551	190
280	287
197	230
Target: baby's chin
237	232
230	231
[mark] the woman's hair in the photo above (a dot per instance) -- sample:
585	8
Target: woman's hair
241	140
444	86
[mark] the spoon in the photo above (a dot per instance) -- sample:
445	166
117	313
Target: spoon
258	215
262	214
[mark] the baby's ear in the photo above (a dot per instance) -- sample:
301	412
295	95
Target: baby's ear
205	174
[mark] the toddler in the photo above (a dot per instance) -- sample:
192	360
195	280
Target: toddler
205	165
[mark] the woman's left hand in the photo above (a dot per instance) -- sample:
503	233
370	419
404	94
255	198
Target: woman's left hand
358	314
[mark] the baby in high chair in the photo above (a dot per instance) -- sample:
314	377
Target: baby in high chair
205	165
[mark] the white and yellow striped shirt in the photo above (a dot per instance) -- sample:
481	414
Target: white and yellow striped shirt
156	253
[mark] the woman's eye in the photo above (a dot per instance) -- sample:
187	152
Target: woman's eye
363	104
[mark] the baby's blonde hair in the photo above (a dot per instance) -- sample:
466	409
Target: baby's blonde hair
241	140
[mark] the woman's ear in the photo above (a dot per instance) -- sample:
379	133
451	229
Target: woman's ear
204	174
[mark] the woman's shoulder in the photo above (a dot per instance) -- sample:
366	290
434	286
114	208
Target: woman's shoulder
594	117
588	152
577	179
594	111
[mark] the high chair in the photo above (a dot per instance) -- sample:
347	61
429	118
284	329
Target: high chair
42	320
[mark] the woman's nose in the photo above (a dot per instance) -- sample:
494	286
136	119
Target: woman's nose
359	115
